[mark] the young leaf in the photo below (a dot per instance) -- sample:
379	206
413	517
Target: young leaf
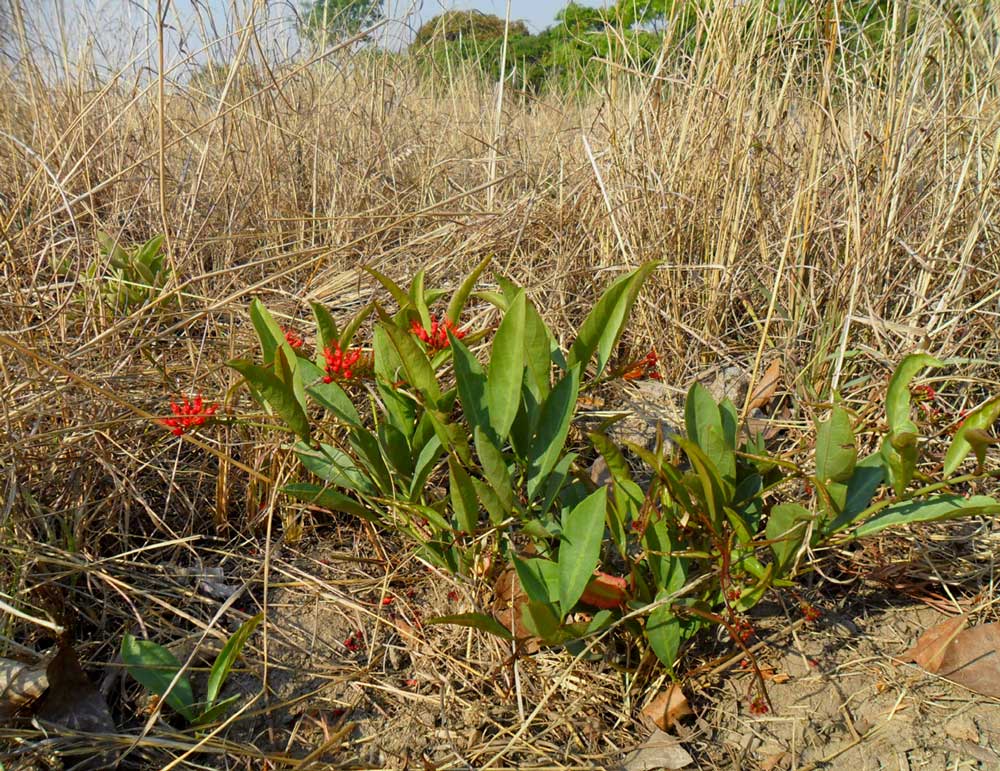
703	422
494	468
897	401
506	369
539	578
786	529
401	298
154	667
580	548
268	331
334	466
276	394
286	367
861	488
418	298
328	498
334	399
478	621
538	348
326	330
980	418
934	509
464	501
899	453
836	452
663	630
604	325
348	332
553	426
227	657
461	295
414	361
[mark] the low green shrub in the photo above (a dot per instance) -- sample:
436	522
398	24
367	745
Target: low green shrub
698	538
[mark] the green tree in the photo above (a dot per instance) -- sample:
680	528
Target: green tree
333	20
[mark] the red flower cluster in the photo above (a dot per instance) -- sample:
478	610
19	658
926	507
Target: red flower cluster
743	628
810	612
189	414
353	641
645	369
339	363
758	706
293	339
437	337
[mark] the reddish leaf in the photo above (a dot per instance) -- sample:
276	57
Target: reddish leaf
973	660
606	591
766	387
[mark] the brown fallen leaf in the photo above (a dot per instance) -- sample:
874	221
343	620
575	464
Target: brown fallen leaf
766	387
508	600
667	707
20	685
776	761
973	660
929	650
660	750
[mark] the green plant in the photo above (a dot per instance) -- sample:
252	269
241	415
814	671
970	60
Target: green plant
697	539
137	275
158	670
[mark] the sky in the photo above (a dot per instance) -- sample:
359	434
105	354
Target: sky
116	31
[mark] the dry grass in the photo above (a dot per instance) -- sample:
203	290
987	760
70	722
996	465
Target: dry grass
842	218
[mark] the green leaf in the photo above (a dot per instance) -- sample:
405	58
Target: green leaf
395	449
539	578
424	465
328	498
538	348
368	451
981	418
401	298
471	382
227	657
464	501
276	394
605	323
897	401
899	453
210	714
335	400
580	548
714	491
154	667
506	369
479	621
286	367
786	529
703	423
663	630
934	509
348	332
334	466
542	620
461	295
414	361
268	331
494	468
553	426
419	300
836	452
326	329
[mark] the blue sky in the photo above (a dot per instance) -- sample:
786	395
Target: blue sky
123	30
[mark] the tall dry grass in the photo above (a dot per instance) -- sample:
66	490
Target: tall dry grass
842	216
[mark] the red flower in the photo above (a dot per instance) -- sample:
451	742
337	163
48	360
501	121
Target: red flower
810	612
353	641
293	339
758	707
645	369
339	363
437	337
189	414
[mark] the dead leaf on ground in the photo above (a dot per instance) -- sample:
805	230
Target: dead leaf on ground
20	685
969	657
766	387
667	707
660	750
72	700
776	761
928	652
508	600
